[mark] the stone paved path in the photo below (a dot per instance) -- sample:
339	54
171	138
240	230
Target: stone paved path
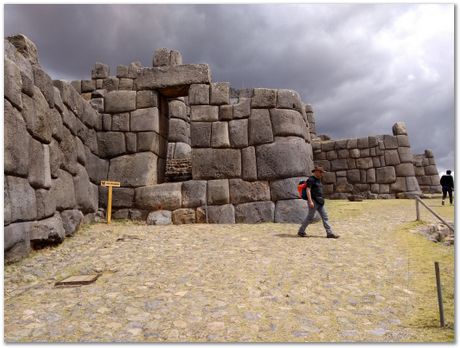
220	283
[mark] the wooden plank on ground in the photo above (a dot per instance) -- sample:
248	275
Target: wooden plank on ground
78	280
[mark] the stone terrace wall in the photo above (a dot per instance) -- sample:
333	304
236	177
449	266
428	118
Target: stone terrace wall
51	161
376	166
426	172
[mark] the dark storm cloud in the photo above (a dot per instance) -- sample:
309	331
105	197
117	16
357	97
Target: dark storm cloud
362	67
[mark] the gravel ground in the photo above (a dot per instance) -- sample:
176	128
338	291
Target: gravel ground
220	283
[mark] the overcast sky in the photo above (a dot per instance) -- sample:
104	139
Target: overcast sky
363	67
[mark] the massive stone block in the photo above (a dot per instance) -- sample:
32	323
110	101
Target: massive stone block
63	190
242	109
22	199
96	167
12	83
46	203
216	163
286	157
164	196
221	214
151	141
120	122
146	99
264	98
111	144
218	192
71	221
391	157
386	175
248	163
179	131
178	109
17	241
135	170
16	153
194	193
260	129
122	197
39	172
200	133
287	122
238	131
399	128
405	169
285	188
288	99
159	217
86	193
292	211
182	150
166	57
45	84
100	71
255	212
143	120
120	101
36	114
244	191
198	94
169	76
183	216
205	113
47	232
220	93
225	112
219	134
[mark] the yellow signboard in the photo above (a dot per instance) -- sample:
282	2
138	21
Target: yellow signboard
109	184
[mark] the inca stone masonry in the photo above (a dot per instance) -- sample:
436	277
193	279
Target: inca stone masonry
185	149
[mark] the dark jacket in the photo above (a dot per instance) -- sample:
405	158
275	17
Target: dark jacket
447	181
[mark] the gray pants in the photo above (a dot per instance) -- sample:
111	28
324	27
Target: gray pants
311	213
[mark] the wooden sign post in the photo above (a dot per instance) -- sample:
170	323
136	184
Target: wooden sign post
109	184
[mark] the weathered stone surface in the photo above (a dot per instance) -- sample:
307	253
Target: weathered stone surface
264	98
363	143
255	212
145	120
248	163
159	217
168	76
122	197
135	170
25	47
431	170
370	175
293	211
220	93
88	85
47	232
219	135
178	109
96	167
120	101
200	133
331	155
16	153
183	216
221	214
39	161
216	163
390	142
182	150
391	157
122	71
364	163
206	113
218	192
107	122
22	199
146	99
403	141
77	85
17	241
36	114
71	221
244	191
151	141
110	84
238	131
121	214
111	144
100	71
166	57
399	185
353	176
242	109
86	193
12	83
69	95
287	122
126	84
45	84
260	129
286	157
288	99
179	131
225	112
198	94
386	175
285	188
164	196
399	128
6	203
131	142
120	122
405	169
193	193
412	184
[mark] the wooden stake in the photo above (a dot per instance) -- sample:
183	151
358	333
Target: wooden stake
438	286
109	184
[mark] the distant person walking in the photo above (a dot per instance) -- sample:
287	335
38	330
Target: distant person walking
314	190
447	183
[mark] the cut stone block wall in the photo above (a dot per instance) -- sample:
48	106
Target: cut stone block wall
426	172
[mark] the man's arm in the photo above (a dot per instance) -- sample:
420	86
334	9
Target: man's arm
310	200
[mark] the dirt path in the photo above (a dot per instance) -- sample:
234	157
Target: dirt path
221	283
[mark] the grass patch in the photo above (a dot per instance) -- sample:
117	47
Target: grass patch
424	316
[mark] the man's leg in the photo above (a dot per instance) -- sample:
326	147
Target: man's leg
307	221
444	194
450	196
322	211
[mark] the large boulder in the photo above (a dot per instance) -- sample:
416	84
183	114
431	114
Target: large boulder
111	144
120	101
96	167
71	221
36	113
204	113
143	120
46	203
288	99
194	193
244	191
183	216
45	84
221	214
122	197
287	122
159	217
40	170
255	212
219	135
386	175
285	188
216	163
218	192
12	83
248	164
166	196
166	57
220	93
201	134
86	193
47	232
260	129
63	190
17	241
170	76
179	131
286	157
140	169
22	199
198	94
293	211
238	131
264	98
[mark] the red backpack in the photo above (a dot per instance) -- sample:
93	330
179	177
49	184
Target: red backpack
302	189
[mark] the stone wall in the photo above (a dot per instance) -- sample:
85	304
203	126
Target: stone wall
374	166
426	172
51	161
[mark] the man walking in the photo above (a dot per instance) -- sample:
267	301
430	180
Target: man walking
447	183
316	203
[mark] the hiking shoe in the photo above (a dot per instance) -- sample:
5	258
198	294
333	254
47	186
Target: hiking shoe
332	235
300	234
442	202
